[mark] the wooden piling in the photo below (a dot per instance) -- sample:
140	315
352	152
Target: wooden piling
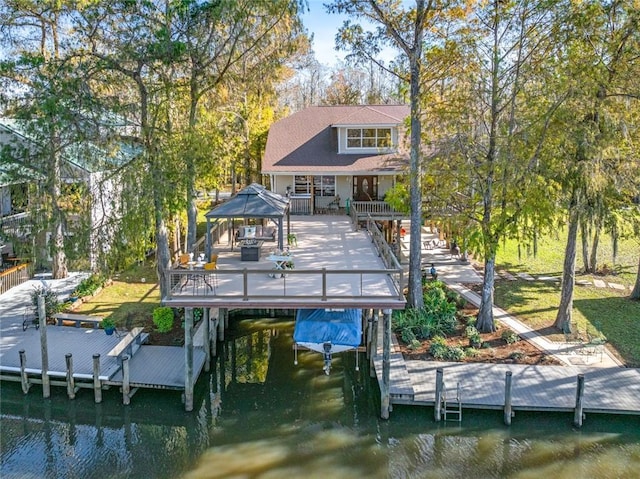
223	319
578	415
97	385
23	372
207	339
71	387
508	414
374	344
126	387
437	406
188	359
44	350
385	395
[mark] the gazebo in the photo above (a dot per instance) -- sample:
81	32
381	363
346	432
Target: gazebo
253	201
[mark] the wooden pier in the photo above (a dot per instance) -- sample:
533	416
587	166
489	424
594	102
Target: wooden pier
510	387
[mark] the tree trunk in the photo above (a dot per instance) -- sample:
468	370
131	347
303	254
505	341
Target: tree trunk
584	236
635	294
593	261
565	310
485	323
59	265
415	297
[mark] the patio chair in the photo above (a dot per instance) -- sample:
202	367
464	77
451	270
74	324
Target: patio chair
184	259
210	268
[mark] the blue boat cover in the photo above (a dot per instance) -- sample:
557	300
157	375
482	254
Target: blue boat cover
342	327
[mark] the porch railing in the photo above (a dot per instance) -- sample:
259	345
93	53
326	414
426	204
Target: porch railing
362	210
15	225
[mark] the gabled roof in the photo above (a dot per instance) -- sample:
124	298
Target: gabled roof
307	141
254	201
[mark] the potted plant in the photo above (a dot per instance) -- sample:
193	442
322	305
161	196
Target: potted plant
108	325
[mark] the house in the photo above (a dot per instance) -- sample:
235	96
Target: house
333	155
91	190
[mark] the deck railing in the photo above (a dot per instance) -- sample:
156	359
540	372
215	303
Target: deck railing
14	276
384	250
264	284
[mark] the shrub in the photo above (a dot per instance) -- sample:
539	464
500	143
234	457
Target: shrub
455	353
472	333
51	303
509	336
471	352
197	314
438	348
163	318
89	286
414	344
516	355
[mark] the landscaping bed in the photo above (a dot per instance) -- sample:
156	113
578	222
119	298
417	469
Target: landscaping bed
444	331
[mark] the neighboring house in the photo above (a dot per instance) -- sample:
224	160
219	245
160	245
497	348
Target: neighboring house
333	155
82	164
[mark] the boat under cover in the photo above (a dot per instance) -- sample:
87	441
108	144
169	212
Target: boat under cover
317	328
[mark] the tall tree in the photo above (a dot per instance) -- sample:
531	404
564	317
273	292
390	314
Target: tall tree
406	29
598	122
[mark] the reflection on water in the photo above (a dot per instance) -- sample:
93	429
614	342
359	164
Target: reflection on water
257	415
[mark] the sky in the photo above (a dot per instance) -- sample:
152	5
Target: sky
324	27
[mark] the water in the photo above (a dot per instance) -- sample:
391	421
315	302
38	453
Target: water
259	416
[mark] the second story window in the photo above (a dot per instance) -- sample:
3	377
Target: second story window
368	137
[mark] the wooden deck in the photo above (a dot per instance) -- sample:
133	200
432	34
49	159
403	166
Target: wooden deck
613	390
158	367
333	264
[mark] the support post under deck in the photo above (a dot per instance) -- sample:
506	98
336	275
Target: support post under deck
188	359
385	399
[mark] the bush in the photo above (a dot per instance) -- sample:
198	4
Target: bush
509	336
471	352
438	348
163	319
89	286
455	353
51	303
197	314
472	333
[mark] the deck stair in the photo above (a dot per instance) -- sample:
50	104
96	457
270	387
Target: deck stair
452	404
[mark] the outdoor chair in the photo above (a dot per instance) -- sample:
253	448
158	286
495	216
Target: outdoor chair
210	268
184	259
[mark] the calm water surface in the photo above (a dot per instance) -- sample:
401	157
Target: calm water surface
259	416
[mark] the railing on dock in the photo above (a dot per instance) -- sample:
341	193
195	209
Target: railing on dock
384	250
15	276
259	284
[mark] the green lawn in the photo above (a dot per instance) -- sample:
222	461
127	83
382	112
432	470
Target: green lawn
131	298
550	257
605	310
595	310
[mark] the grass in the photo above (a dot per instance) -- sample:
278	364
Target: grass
596	310
550	257
130	300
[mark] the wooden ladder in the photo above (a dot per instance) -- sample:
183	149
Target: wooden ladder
452	405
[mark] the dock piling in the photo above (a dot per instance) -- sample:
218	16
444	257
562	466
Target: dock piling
578	415
42	318
71	387
126	388
508	414
385	400
207	339
97	386
23	373
437	405
188	359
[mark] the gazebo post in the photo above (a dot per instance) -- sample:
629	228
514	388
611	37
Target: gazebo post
207	249
280	234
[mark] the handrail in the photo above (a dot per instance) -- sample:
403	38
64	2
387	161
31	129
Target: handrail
15	276
254	286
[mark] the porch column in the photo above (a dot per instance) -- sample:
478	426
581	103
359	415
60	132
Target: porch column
280	234
207	249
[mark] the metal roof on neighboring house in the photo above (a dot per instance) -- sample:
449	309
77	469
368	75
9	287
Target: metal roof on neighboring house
307	141
85	156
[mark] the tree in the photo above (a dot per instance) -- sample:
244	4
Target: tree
405	29
599	73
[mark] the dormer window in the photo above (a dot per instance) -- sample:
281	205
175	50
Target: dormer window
368	138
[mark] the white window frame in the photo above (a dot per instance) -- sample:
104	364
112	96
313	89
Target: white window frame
377	138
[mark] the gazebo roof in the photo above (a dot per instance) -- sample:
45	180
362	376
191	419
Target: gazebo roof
254	201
